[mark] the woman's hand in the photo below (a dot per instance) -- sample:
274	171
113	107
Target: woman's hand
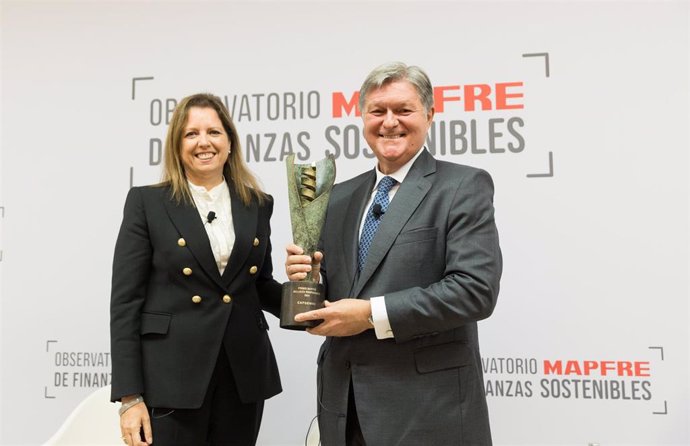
132	421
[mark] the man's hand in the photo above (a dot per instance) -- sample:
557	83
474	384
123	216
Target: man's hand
298	265
345	317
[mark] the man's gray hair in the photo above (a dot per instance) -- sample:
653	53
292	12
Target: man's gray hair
397	71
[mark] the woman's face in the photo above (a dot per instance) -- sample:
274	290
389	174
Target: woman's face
205	147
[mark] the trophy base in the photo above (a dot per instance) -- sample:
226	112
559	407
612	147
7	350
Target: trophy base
299	297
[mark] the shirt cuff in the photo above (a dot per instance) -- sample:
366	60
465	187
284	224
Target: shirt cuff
379	315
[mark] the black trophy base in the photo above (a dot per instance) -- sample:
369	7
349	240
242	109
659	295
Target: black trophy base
299	297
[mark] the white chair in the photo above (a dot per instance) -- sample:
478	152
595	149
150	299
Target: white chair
93	422
313	435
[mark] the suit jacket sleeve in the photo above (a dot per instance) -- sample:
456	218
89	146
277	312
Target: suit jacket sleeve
268	289
131	269
468	288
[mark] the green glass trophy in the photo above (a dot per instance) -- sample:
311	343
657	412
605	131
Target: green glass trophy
309	186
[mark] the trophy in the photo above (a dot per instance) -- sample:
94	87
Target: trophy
309	186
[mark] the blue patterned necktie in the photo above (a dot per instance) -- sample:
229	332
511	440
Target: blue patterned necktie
374	215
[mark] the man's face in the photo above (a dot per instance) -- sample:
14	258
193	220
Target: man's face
395	124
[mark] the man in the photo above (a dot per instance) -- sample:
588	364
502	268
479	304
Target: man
400	364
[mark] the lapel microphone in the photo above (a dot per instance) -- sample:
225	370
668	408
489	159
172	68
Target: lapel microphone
378	211
211	216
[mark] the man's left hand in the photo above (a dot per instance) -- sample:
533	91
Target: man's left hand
345	317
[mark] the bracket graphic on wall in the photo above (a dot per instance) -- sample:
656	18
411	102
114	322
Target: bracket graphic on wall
547	73
544	175
665	412
134	83
45	388
546	60
2	214
134	86
661	351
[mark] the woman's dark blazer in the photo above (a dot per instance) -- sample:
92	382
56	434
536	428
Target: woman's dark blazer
171	310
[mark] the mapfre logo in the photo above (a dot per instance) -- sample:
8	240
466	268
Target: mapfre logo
568	379
476	133
473	97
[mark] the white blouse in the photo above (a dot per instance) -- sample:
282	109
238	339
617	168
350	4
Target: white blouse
220	230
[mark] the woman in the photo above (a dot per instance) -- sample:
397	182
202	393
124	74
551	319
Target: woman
192	362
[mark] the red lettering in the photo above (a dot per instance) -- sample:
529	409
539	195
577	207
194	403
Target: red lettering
478	92
573	368
625	368
440	99
606	366
642	368
341	104
555	367
502	96
591	365
482	97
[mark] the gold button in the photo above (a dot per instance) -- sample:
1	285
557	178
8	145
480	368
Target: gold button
253	270
181	242
187	271
227	299
256	241
196	299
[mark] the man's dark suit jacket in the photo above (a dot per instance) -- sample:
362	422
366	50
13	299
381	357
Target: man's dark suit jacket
171	310
437	261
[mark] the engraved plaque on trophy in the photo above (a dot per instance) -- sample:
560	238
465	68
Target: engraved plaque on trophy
309	186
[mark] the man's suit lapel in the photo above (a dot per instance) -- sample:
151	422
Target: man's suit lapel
244	220
351	223
186	219
406	200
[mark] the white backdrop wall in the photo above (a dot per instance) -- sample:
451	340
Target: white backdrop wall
584	129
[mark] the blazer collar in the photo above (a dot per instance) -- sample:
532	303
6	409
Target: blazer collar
186	219
352	221
408	197
244	219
